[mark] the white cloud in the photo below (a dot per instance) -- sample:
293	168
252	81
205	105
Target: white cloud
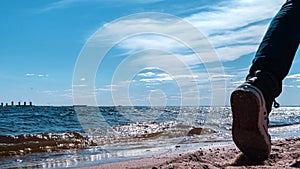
220	77
288	86
68	90
40	75
37	75
59	4
162	77
67	3
230	53
239	82
291	81
234	29
80	85
189	76
293	76
102	89
106	88
50	92
146	42
149	32
147	74
234	14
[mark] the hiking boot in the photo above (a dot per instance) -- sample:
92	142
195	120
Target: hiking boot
250	122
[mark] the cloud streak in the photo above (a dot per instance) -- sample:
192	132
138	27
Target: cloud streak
36	75
235	28
68	3
161	77
234	32
59	5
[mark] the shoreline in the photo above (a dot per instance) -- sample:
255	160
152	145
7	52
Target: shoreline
285	154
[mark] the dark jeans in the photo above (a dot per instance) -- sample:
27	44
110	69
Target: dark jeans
279	45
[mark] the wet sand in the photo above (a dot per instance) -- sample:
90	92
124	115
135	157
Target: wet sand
285	154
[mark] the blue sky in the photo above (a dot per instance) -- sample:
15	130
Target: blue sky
42	40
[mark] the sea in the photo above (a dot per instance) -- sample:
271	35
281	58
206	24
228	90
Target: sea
81	136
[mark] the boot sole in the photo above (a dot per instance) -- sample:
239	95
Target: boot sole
249	128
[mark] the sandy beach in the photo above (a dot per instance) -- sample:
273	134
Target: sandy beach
285	154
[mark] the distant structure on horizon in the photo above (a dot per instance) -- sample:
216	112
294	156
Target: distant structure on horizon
80	105
18	105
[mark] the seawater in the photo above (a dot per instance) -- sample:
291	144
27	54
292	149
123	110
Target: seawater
58	137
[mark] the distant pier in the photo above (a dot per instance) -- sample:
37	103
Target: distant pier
18	105
83	105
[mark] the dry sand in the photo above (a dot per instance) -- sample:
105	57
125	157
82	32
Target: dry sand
285	154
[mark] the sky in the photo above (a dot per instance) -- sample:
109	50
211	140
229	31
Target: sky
167	52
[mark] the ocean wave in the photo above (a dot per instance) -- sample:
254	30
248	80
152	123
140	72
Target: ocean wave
46	142
134	132
140	131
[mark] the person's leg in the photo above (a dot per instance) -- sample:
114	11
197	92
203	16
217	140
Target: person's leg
277	50
251	102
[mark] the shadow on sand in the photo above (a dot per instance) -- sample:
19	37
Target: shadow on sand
242	160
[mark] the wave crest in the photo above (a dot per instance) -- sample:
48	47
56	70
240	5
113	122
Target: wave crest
46	142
